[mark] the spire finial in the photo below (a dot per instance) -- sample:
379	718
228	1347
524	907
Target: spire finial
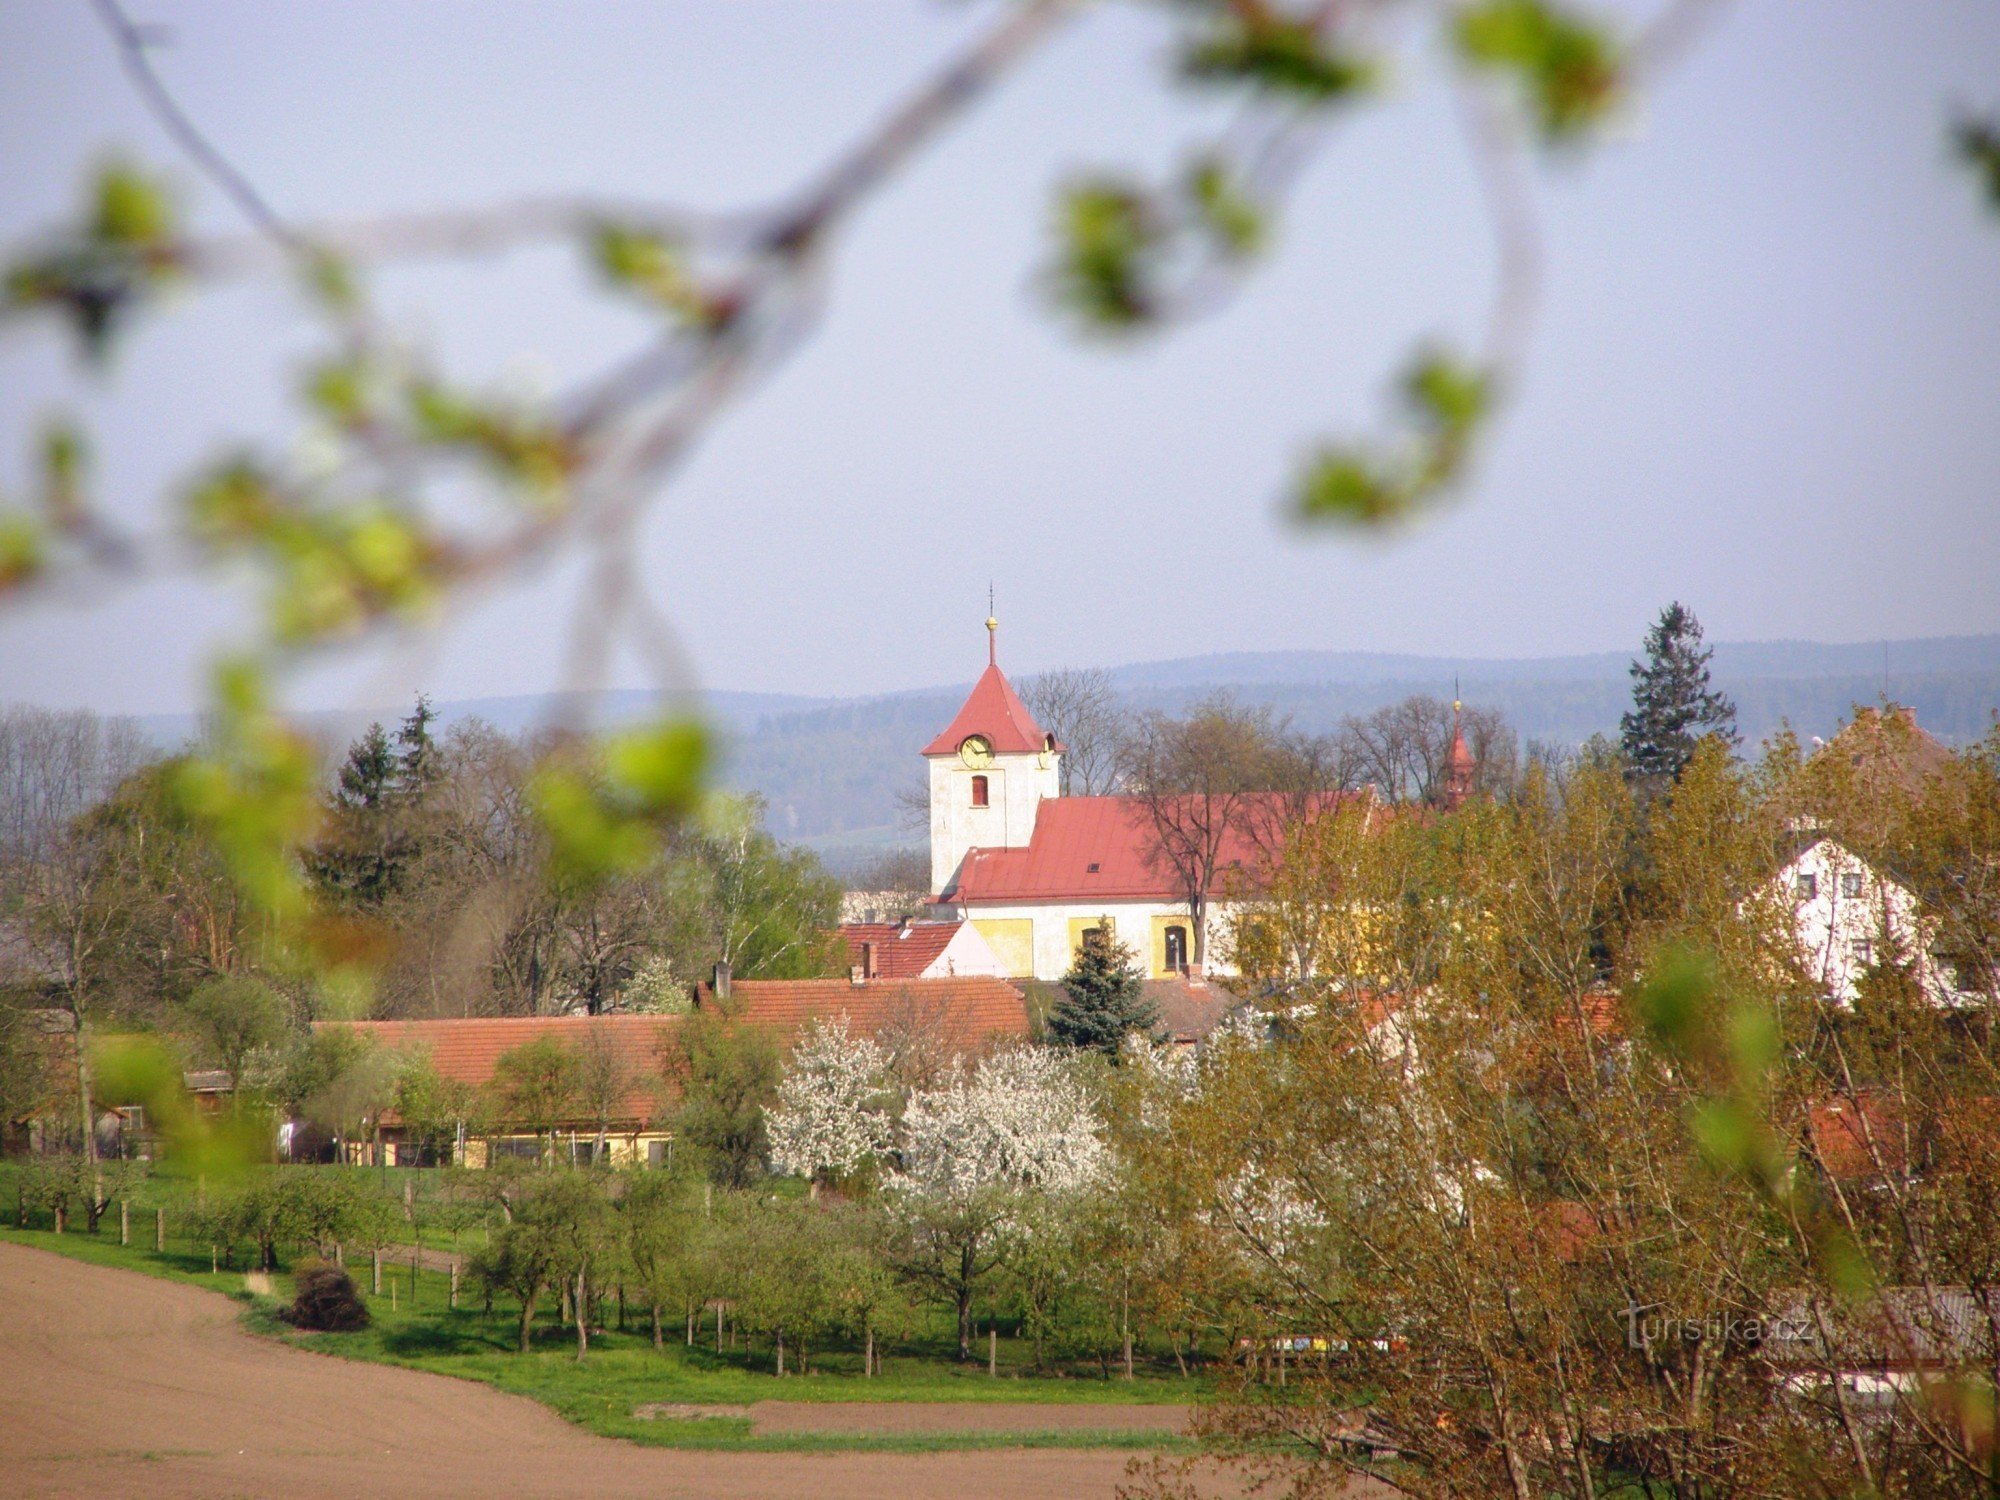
992	631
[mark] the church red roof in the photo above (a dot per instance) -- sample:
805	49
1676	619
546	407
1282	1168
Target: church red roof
1086	849
996	711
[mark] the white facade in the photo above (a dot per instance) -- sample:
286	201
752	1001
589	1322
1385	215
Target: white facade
1845	913
1015	786
1054	931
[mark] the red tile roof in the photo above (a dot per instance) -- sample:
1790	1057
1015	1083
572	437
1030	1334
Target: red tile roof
901	951
970	1013
1188	1011
1084	849
466	1050
1850	1137
996	711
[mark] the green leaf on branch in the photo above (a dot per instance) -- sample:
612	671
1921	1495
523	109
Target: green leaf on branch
653	268
253	789
1110	235
660	768
1280	55
1568	68
1224	210
130	209
604	812
527	448
339	387
23	550
234	505
331	282
65	458
118	253
1344	484
1977	143
1445	403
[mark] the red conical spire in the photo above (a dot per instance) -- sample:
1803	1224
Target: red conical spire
994	711
1459	766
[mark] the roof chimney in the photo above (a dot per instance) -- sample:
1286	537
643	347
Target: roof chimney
866	968
855	976
721	984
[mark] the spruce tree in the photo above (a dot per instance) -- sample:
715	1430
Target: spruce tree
1103	997
366	774
1673	706
417	765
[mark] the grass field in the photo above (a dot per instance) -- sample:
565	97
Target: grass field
413	1326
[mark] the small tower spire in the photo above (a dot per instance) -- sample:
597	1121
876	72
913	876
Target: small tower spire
1459	767
992	631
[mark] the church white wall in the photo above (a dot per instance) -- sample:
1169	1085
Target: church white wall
1131	920
1016	785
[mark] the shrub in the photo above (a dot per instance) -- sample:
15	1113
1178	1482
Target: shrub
327	1301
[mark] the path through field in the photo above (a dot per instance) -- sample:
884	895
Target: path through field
121	1384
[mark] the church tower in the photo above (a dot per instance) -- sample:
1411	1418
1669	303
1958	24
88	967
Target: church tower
989	771
1459	767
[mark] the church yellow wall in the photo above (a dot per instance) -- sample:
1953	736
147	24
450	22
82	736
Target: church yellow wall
1012	940
1156	957
1078	926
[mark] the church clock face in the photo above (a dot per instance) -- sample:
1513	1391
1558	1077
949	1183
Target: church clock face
975	751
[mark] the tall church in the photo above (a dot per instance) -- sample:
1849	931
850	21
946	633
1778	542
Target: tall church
1034	870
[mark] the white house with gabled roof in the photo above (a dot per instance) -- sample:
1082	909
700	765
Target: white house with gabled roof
1847	916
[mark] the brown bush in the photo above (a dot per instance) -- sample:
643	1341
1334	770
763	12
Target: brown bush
327	1301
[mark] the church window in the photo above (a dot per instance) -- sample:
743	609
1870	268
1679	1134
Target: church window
979	791
1177	949
1806	888
1850	884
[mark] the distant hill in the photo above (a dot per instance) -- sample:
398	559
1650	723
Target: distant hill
830	769
831	772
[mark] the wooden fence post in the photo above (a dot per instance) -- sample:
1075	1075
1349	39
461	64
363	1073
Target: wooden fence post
992	1350
124	1222
159	1229
868	1354
378	1270
454	1283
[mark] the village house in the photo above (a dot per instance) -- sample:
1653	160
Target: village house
623	1116
909	949
1847	916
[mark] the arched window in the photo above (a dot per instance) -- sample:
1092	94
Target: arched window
979	792
1176	949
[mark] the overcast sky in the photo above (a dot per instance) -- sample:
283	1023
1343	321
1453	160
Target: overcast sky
1766	380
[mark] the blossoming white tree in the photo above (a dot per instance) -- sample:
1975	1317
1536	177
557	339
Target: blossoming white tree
1019	1128
1022	1119
829	1120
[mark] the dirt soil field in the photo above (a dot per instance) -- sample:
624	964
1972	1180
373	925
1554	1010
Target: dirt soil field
121	1384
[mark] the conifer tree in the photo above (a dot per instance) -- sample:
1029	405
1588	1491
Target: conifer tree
1103	997
417	766
365	776
1673	706
371	834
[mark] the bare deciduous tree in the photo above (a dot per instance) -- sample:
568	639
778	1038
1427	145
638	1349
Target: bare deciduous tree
1403	748
1200	780
1080	707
